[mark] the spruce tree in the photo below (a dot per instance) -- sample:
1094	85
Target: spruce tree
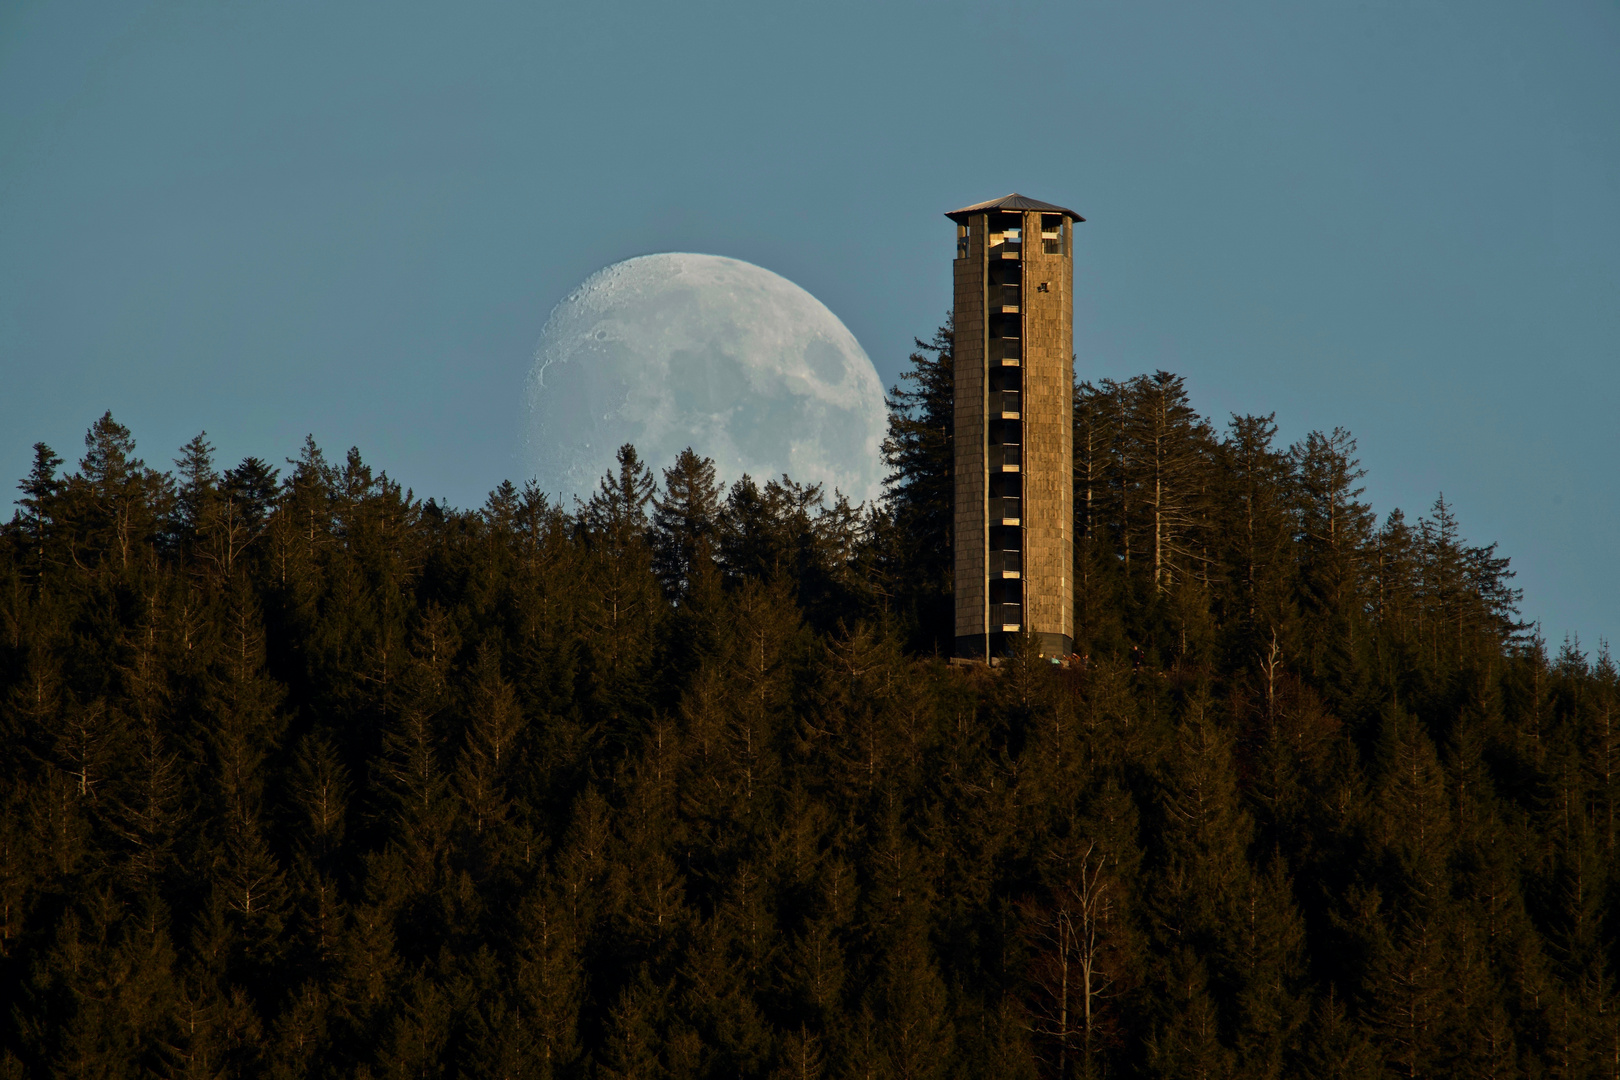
685	520
919	453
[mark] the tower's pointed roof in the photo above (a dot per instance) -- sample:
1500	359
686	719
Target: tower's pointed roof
1014	201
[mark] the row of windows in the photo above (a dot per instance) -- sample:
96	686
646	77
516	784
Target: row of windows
1054	235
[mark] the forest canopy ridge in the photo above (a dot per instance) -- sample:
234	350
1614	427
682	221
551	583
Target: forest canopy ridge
308	776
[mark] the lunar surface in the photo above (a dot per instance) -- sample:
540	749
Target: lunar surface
676	350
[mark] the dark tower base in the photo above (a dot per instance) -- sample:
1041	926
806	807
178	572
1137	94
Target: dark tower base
971	646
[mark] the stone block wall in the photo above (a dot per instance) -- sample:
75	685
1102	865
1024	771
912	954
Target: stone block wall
1048	411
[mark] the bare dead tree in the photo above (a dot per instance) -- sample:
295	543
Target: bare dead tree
1071	973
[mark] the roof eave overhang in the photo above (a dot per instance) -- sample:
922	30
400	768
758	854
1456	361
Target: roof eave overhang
1013	202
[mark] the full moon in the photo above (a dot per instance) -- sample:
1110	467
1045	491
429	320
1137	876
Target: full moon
675	350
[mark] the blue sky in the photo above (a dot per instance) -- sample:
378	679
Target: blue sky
351	220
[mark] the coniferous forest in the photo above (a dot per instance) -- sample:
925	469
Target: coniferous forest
305	776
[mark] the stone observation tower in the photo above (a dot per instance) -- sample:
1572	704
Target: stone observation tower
1014	419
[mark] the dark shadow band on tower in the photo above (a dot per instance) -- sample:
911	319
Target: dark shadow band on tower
1014	426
